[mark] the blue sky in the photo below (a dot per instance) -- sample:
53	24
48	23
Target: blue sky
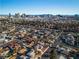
69	7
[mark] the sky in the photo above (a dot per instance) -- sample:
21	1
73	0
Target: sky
64	7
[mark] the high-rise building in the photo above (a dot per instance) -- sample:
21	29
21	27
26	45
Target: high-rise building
17	15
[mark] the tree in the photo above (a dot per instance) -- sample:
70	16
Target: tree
53	54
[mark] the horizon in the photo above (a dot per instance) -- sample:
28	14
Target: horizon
39	7
39	14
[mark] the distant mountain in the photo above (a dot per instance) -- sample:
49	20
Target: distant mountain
45	17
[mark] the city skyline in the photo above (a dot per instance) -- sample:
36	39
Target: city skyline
64	7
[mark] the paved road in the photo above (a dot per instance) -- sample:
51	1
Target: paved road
57	40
